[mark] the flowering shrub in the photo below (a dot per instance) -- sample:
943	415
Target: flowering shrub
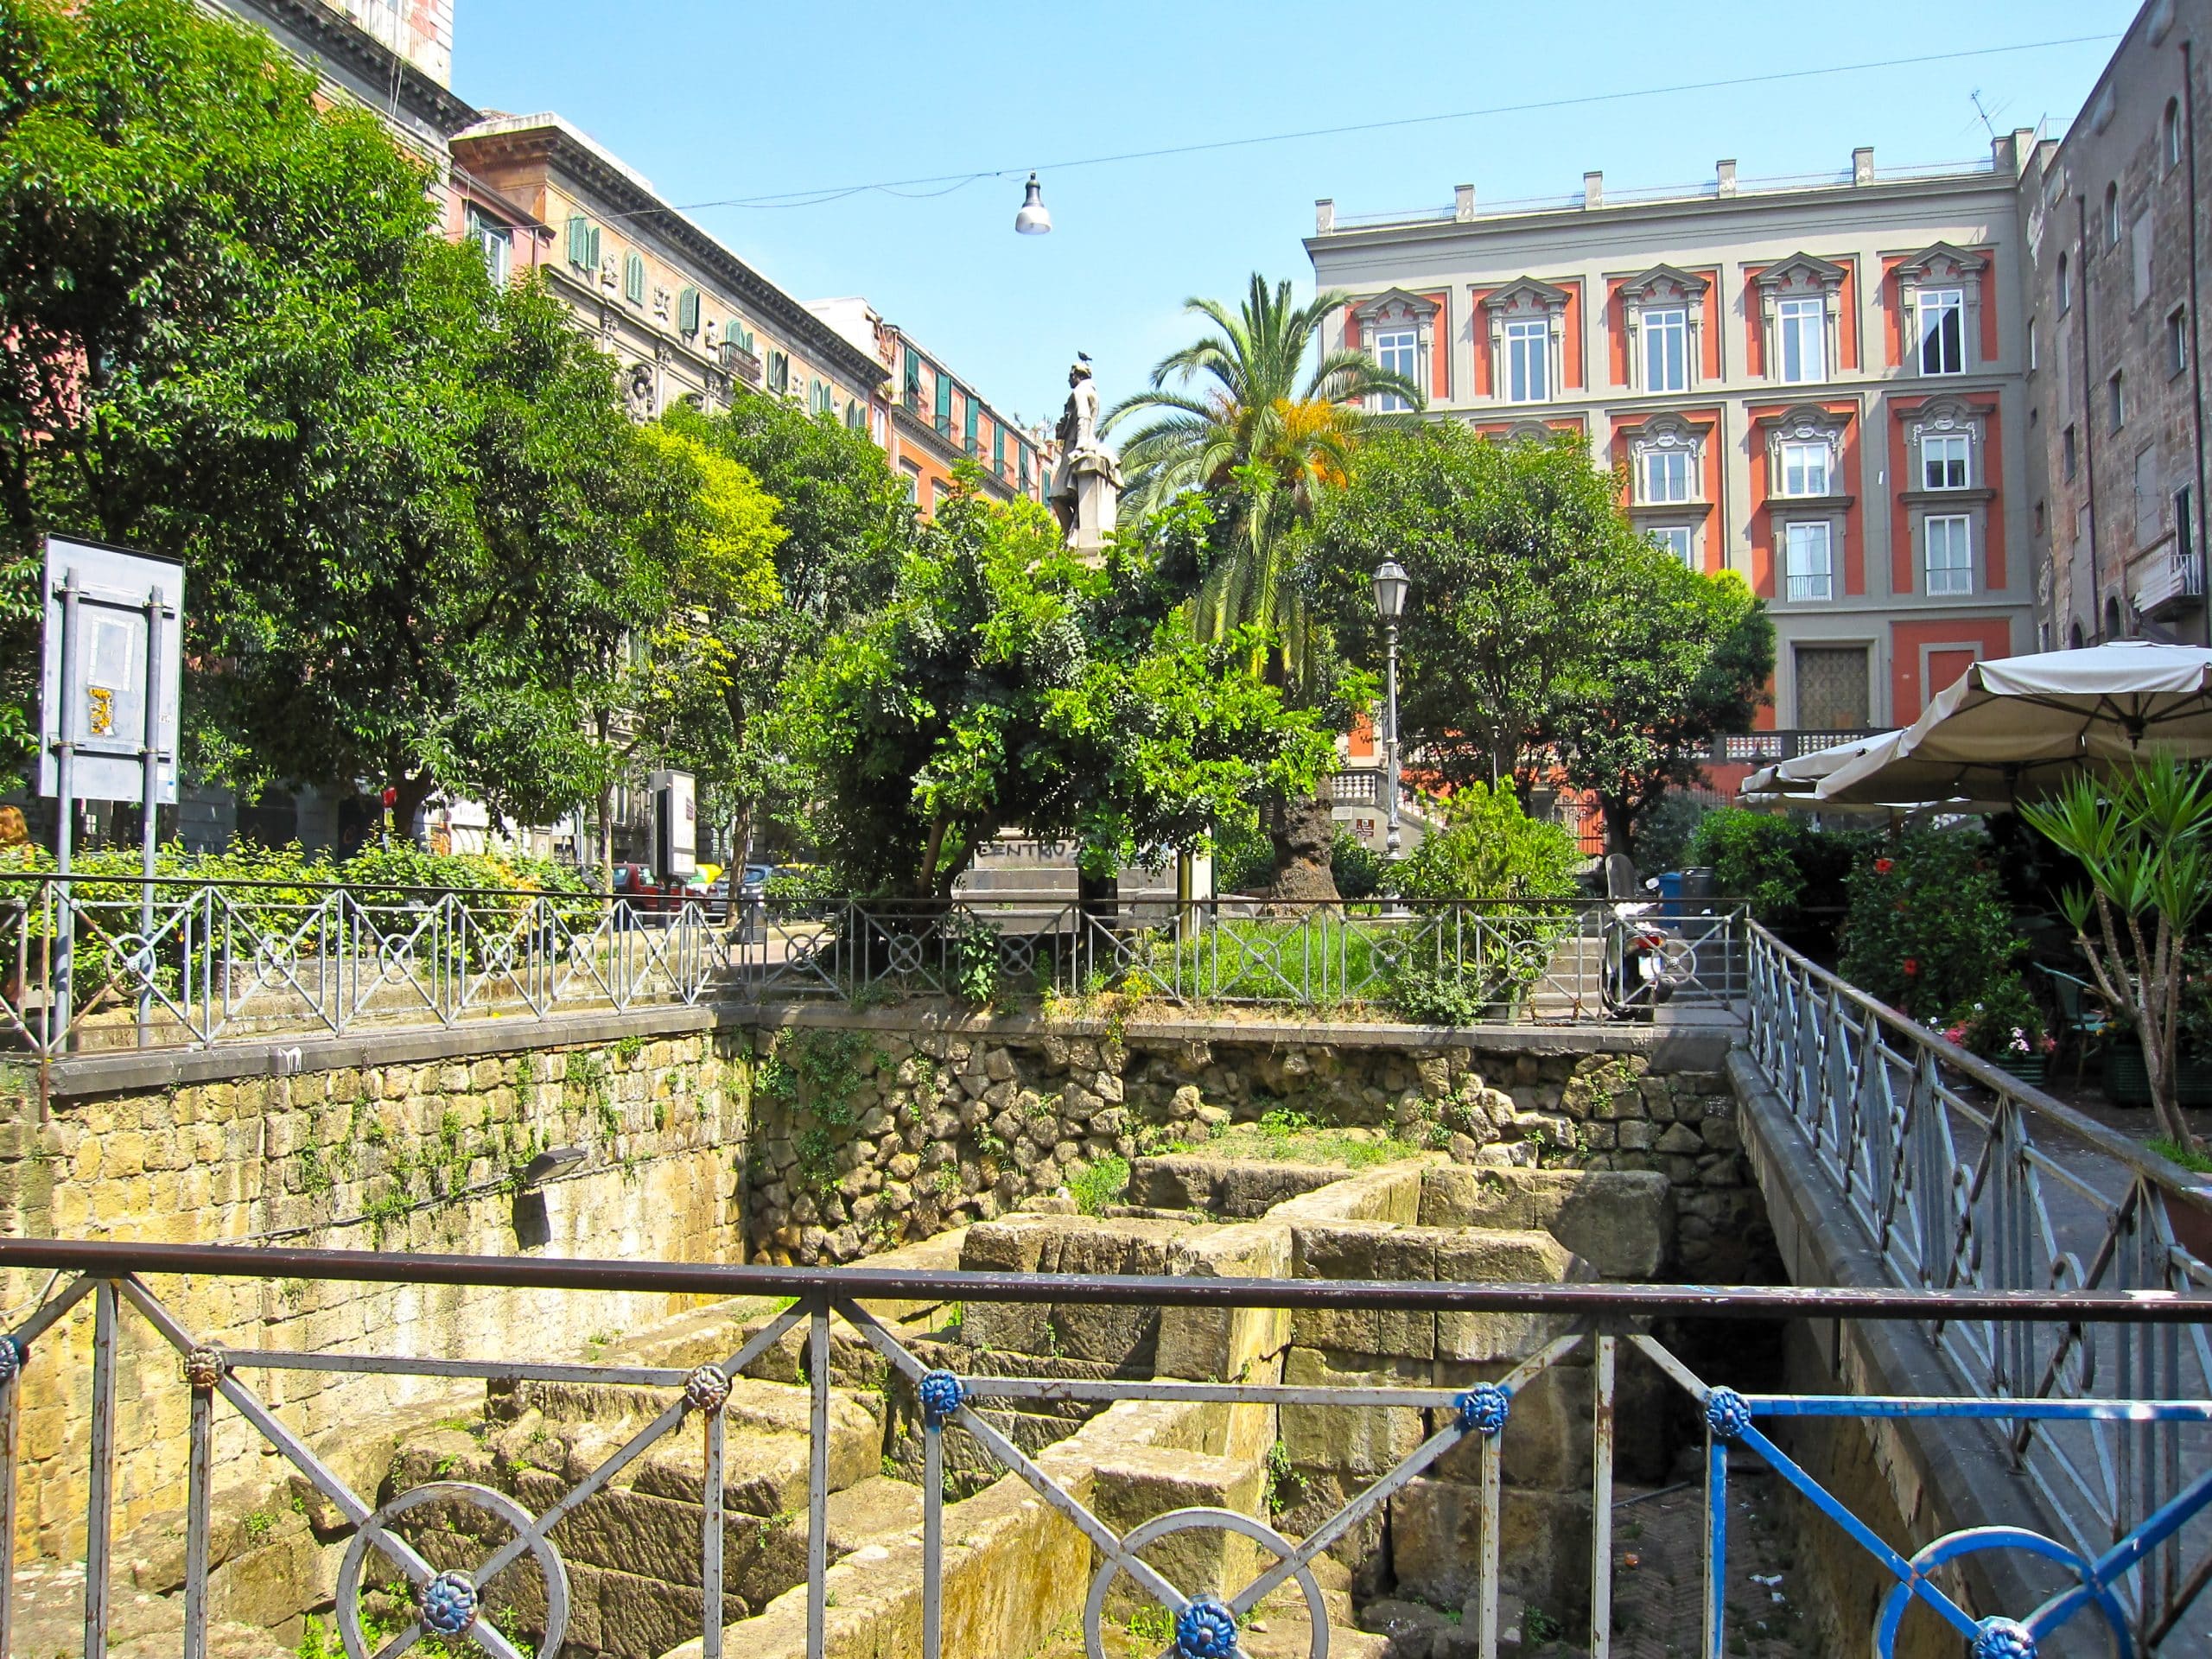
1929	930
1785	867
2002	1024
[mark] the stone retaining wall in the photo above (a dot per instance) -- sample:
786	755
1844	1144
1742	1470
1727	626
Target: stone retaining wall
423	1154
870	1133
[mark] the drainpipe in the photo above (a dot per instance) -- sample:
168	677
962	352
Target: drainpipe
2195	332
2088	420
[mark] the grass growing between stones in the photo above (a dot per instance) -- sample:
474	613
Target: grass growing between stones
1290	1137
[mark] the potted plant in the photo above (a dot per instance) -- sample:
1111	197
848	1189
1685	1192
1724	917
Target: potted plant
2140	839
2005	1026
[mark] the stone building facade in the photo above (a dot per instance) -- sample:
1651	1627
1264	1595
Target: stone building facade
1818	385
2114	216
934	419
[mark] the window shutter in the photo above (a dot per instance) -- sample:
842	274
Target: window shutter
633	279
580	240
687	311
970	425
943	405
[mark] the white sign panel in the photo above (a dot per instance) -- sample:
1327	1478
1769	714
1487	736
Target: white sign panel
100	673
677	805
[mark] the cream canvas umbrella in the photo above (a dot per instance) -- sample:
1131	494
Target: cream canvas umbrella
1796	778
2019	725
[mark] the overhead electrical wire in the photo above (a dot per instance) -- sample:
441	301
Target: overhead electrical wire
911	188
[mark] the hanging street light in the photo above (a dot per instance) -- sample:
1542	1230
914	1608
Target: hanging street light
1033	219
1391	584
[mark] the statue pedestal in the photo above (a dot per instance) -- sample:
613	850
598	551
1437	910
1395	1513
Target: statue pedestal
1088	500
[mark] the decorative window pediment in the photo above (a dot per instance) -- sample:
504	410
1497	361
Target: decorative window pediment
1664	285
1939	305
1800	274
1941	263
1804	453
1942	438
1525	296
1665	464
1394	305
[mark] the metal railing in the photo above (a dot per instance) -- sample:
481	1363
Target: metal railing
448	1599
97	962
1963	1177
1518	961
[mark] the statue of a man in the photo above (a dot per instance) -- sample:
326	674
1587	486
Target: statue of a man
1078	428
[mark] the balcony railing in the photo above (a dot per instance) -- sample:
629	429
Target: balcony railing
513	1596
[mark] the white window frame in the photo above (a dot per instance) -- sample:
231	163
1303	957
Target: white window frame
1943	449
1955	576
1666	477
496	242
1665	332
1802	320
1808	580
2177	340
1681	540
1527	356
1796	456
1933	306
1398	349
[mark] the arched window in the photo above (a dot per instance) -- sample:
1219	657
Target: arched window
2074	638
2112	616
2112	215
2065	287
2173	132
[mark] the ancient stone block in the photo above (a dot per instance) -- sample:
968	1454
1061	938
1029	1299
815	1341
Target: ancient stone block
1436	1535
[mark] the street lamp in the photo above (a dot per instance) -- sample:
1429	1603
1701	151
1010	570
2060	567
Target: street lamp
1391	583
1033	219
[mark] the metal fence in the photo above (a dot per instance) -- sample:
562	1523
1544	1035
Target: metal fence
1963	1177
90	962
95	962
453	1602
1451	961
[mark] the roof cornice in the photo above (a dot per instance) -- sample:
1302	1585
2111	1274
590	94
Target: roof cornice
606	181
339	38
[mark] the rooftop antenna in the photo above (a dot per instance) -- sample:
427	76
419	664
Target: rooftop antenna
1987	124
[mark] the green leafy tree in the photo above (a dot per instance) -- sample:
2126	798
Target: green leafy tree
1489	848
1007	682
1514	550
2141	841
1263	423
1928	931
843	526
1680	659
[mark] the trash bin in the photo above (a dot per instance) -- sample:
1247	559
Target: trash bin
1697	883
1670	894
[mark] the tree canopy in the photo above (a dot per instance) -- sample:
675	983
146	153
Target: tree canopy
1007	682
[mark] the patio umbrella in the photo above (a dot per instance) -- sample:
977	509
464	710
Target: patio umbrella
2020	726
1796	778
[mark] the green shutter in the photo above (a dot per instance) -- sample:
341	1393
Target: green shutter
633	279
998	450
913	380
943	402
580	230
970	427
687	311
1021	463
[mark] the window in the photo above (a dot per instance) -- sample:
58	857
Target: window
779	373
1804	469
855	416
633	278
2177	340
1680	540
1801	328
914	381
583	243
2112	216
1021	467
1527	361
2172	131
687	311
970	427
1806	562
1667	350
1943	331
1397	349
1666	475
2069	455
909	478
944	419
1943	461
819	399
2184	533
1950	554
2138	246
2035	352
998	450
496	243
2065	287
2116	401
2150	500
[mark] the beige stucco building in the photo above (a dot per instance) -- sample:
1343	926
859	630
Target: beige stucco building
1817	384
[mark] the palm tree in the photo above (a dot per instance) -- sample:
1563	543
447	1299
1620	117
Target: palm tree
1272	421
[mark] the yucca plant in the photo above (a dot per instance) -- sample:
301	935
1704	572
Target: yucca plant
2140	837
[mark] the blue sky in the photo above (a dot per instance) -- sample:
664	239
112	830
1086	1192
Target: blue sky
714	100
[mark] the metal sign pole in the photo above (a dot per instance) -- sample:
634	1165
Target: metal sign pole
64	751
151	797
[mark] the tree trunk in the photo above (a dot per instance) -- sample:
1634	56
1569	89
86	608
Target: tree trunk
606	837
1304	831
1620	825
408	795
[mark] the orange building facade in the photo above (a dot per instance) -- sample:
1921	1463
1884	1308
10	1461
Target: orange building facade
1817	385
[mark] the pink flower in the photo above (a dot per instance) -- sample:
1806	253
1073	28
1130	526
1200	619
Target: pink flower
1883	866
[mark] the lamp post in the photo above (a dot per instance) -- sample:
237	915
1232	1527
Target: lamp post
1391	583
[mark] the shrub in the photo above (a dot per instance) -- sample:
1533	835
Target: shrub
1929	930
1358	869
1489	848
1096	1184
2002	1024
1243	858
1662	839
1785	867
1432	996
